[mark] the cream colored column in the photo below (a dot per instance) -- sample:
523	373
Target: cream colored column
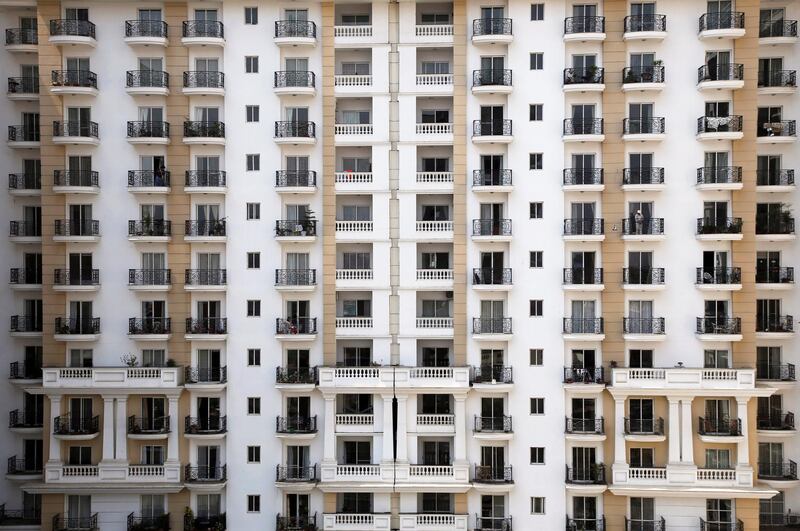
460	439
619	431
387	430
108	428
121	423
54	456
328	217
402	428
674	434
174	424
687	438
743	454
329	435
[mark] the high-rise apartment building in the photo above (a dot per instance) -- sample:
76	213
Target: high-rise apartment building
410	265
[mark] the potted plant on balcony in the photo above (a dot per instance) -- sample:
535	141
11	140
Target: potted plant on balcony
308	222
129	360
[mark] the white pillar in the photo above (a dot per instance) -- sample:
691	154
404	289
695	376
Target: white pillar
108	428
122	429
387	430
329	443
674	433
55	444
174	424
460	451
687	437
619	430
744	444
402	428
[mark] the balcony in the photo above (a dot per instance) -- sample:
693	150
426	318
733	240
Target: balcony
295	33
778	32
20	517
212	426
25	40
776	422
719	178
719	328
75	132
491	81
306	376
719	229
205	474
656	524
208	328
68	523
644	429
146	32
585	475
73	82
150	328
354	230
24	184
584	29
149	279
205	230
684	378
492	376
774	278
721	25
358	423
295	279
296	328
777	132
777	473
775	372
77	328
774	326
583	329
436	133
296	230
294	83
205	181
148	428
588	130
22	372
147	83
76	427
777	82
296	474
584	376
643	78
76	279
492	31
350	83
158	230
25	326
589	79
148	523
495	180
148	181
643	179
492	474
25	421
491	278
26	279
208	378
294	132
23	469
204	83
203	33
23	89
492	132
725	76
491	230
643	278
71	32
645	27
100	378
214	522
499	427
492	328
295	181
356	521
718	278
296	523
775	227
719	128
585	428
643	328
392	377
23	137
644	230
296	426
583	179
582	279
200	132
148	132
644	130
712	429
76	182
492	523
583	229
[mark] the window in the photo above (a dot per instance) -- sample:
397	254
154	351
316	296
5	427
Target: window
253	503
536	161
253	308
537	505
253	210
537	61
253	260
537	308
251	15
536	111
537	406
253	454
254	357
537	11
537	455
537	259
254	162
251	64
253	405
536	356
537	210
252	112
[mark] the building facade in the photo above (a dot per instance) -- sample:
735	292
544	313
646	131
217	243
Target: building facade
415	265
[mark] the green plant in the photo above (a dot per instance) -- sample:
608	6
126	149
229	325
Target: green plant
171	363
129	360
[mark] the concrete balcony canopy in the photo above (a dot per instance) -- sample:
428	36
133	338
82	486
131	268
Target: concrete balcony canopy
382	378
138	380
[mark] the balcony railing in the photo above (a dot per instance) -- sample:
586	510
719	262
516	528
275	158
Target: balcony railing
777	78
498	424
148	178
206	325
153	228
779	128
491	26
774	323
149	325
491	128
76	277
643	74
584	426
146	79
491	325
296	523
206	277
491	276
20	36
300	425
590	126
148	129
774	275
719	226
18	466
297	473
148	523
780	470
656	524
205	179
70	523
203	28
205	473
491	227
645	176
201	129
295	28
24	370
722	124
148	425
719	175
24	181
20	517
493	523
205	375
76	425
199	228
76	178
300	375
582	176
77	325
492	77
72	28
645	227
210	522
592	325
295	227
146	28
24	275
583	227
23	85
24	418
589	75
23	133
775	371
587	375
718	275
643	325
73	78
295	178
69	227
295	129
149	277
717	21
726	427
644	426
775	420
492	374
584	25
81	129
211	424
721	72
25	323
493	474
295	277
643	275
775	224
296	325
593	474
294	78
780	177
496	177
637	23
719	325
644	126
778	28
203	79
575	276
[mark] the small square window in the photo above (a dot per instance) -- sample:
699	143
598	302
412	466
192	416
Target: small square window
537	505
537	210
537	61
253	210
253	454
537	308
254	162
537	455
253	503
537	11
536	357
536	161
253	405
537	406
536	111
252	113
254	308
254	357
253	260
537	259
251	15
251	64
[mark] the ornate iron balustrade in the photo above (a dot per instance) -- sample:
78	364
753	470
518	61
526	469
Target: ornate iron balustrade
72	28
